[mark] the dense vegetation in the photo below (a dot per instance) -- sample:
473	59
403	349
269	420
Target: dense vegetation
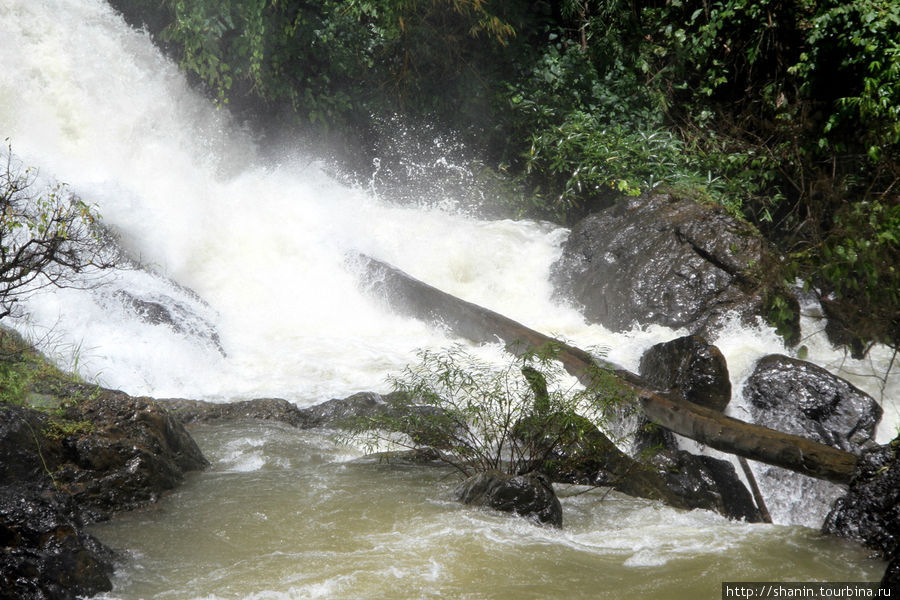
787	112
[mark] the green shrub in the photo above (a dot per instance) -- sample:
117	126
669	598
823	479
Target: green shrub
509	419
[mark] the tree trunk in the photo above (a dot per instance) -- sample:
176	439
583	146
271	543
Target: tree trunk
477	324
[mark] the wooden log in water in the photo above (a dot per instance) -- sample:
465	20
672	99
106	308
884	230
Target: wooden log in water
417	299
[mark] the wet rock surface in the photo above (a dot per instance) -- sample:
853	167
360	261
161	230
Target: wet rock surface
530	495
61	470
694	368
265	409
680	479
798	397
658	259
691	368
869	513
45	552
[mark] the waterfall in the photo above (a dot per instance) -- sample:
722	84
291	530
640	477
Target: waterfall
246	257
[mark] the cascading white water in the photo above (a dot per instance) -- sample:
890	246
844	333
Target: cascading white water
92	103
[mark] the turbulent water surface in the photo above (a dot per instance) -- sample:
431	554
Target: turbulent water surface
255	251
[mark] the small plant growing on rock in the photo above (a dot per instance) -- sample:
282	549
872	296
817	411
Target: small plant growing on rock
515	418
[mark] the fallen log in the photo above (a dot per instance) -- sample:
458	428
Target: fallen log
477	324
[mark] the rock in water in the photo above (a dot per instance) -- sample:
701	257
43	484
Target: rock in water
110	452
798	397
657	259
870	511
801	398
45	553
530	495
693	367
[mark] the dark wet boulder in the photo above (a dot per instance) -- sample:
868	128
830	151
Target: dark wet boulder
530	495
870	510
132	451
44	552
659	259
799	397
22	445
689	365
60	470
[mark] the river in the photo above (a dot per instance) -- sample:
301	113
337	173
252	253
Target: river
253	246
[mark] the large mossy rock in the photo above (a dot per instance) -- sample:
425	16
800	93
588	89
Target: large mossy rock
530	495
658	259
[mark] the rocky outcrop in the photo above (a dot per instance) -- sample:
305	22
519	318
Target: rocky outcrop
530	495
870	511
658	259
60	470
798	397
44	552
134	451
801	398
689	365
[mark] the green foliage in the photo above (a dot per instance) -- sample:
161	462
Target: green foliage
13	383
852	60
58	428
481	417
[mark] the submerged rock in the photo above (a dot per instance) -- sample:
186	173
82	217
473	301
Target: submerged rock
657	259
530	495
160	309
